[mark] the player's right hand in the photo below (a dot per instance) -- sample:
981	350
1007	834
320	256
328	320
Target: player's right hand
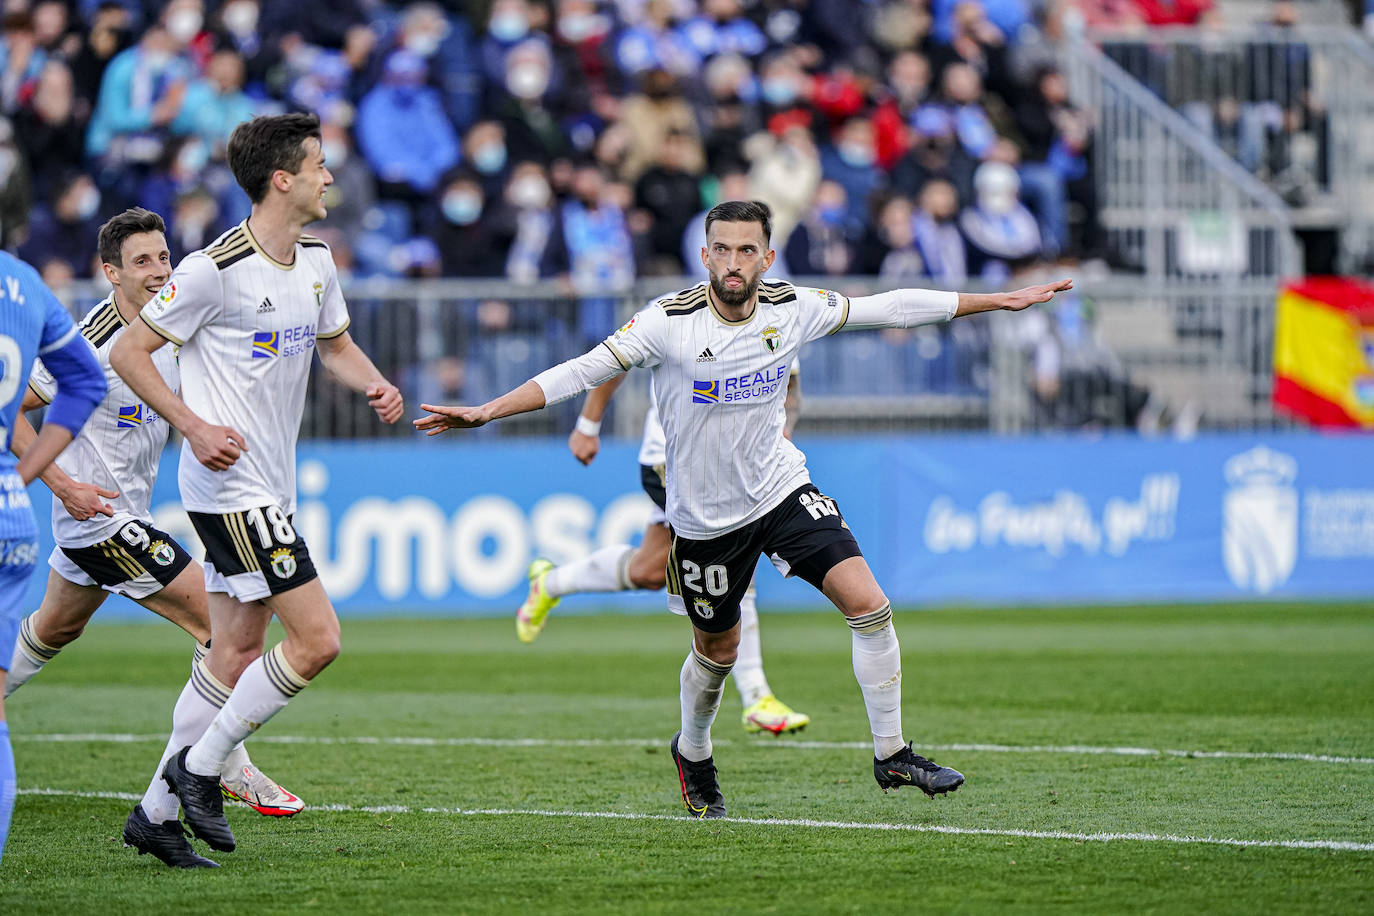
86	500
441	419
584	447
217	447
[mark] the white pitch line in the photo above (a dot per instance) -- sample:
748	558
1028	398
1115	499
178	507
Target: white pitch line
100	738
1103	837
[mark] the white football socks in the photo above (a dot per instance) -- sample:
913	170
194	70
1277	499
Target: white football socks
604	570
199	703
30	655
748	671
263	690
703	681
878	669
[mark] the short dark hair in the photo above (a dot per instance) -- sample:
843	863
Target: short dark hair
259	147
117	230
742	211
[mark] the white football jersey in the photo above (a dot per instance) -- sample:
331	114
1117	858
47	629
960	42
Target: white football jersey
719	388
120	445
247	326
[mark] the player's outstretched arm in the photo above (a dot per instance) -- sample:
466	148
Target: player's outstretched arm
527	397
81	500
216	447
347	362
972	303
585	439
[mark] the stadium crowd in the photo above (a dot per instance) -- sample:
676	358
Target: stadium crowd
911	139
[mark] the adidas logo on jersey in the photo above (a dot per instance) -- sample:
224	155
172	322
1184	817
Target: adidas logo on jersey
706	356
266	306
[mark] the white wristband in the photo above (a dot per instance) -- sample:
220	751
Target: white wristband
588	427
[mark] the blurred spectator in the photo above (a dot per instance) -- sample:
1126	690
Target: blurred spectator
184	161
404	133
238	29
141	93
1172	12
669	193
1006	16
194	222
448	44
1001	233
728	126
484	152
21	60
889	249
583	51
935	154
509	24
65	230
465	243
823	242
185	22
527	227
523	108
1057	137
961	99
16	193
653	43
722	28
852	161
354	190
600	251
47	129
215	103
936	228
52	29
907	88
649	116
325	24
977	42
784	172
785	94
110	33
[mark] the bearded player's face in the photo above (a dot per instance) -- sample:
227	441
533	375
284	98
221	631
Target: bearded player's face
736	255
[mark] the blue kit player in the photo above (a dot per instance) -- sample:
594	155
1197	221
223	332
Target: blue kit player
32	324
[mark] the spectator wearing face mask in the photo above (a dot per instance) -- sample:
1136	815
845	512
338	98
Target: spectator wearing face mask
522	102
236	26
404	133
654	43
583	51
526	225
852	161
66	230
823	242
141	93
485	153
510	24
465	242
601	255
722	28
889	248
1001	234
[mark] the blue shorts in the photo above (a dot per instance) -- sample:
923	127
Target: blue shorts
17	559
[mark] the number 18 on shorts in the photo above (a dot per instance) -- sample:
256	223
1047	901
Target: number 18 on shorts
253	553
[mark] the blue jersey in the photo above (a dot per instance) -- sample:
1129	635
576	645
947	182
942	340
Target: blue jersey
32	323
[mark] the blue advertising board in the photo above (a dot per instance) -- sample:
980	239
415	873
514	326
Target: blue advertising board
448	527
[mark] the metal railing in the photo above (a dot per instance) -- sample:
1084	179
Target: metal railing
1192	347
1172	202
1294	106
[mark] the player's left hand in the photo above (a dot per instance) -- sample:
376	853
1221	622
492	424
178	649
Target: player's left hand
441	419
386	400
1034	295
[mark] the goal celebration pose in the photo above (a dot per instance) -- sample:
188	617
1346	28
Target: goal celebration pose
736	487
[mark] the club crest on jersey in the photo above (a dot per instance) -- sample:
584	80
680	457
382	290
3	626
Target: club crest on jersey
162	552
283	563
703	608
707	392
319	294
265	344
130	417
772	339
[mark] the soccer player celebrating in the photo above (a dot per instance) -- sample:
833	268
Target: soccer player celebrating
32	323
736	487
102	522
248	312
622	567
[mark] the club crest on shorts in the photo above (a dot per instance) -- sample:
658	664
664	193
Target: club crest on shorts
703	608
283	563
772	339
162	552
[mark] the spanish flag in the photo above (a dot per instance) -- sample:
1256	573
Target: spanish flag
1324	352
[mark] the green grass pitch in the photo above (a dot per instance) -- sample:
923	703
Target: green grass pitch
1167	759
